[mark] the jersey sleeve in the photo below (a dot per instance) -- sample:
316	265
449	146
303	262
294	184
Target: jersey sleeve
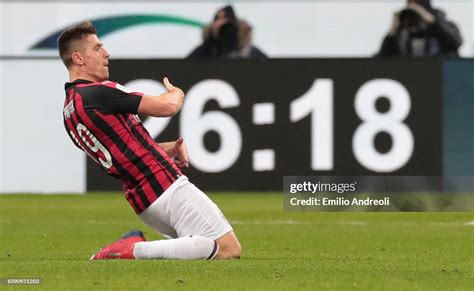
113	98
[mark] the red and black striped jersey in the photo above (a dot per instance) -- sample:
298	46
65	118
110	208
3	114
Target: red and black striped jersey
101	120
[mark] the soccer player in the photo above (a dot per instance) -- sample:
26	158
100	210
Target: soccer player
101	119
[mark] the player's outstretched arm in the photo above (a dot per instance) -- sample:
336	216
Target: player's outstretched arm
165	105
177	150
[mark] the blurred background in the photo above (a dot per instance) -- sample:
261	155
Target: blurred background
274	88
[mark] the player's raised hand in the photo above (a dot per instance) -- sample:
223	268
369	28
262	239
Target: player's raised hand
167	83
170	87
176	91
164	105
181	151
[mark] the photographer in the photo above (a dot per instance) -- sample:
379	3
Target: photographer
227	38
421	31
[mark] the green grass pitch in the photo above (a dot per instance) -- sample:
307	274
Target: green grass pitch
52	237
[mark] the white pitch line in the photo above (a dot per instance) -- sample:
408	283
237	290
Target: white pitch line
104	222
353	223
291	222
276	222
344	222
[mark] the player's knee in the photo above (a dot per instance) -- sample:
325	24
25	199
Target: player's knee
230	251
236	251
229	246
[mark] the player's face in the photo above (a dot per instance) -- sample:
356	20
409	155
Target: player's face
96	58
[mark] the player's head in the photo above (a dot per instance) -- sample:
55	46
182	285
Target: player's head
81	51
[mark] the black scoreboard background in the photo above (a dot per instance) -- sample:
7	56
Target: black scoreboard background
248	124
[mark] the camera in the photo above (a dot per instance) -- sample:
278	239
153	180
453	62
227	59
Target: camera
409	18
228	35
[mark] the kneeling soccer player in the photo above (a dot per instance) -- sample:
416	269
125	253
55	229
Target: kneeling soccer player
100	118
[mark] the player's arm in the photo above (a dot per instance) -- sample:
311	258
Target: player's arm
177	150
165	105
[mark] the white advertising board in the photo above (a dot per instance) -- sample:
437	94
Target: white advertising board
281	28
36	153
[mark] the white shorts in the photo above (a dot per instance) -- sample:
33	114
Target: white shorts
184	210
